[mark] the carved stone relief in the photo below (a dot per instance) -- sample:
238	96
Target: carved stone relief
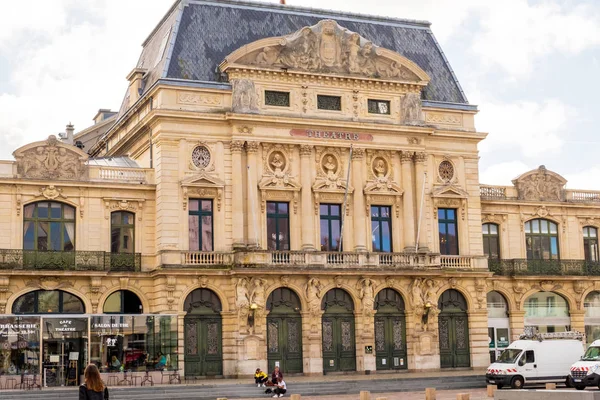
329	48
411	109
51	192
330	169
541	185
201	157
424	302
381	187
51	160
245	96
277	182
203	185
132	205
365	288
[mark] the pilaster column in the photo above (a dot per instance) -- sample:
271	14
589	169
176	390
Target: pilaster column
308	219
358	212
408	207
420	161
252	223
237	194
577	320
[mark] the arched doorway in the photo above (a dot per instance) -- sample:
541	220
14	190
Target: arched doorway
390	331
339	345
284	331
453	325
592	316
498	324
547	312
203	334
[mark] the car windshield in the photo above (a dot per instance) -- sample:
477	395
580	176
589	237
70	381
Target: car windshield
509	356
592	354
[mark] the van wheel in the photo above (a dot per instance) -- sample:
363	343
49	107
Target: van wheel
517	382
499	386
579	387
569	382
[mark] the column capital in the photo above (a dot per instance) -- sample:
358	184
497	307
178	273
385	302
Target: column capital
305	149
252	147
358	153
406	156
421	157
236	146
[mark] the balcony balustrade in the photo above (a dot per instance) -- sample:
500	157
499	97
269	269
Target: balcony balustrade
69	260
514	267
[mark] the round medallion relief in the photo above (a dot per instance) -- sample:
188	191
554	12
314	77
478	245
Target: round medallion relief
446	171
201	157
380	167
329	164
277	161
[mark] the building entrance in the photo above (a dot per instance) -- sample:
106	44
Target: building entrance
453	324
284	331
339	345
64	351
390	331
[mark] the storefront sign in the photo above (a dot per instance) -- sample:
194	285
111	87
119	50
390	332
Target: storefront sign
65	327
332	135
118	325
17	329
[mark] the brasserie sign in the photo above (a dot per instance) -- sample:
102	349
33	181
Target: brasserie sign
332	135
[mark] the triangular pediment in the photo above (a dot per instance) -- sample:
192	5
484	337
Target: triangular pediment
327	48
203	180
450	191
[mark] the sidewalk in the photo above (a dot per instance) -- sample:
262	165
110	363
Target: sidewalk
476	394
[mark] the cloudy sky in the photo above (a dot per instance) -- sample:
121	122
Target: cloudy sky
532	67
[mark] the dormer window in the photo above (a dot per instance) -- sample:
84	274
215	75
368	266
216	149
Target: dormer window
278	99
332	103
379	107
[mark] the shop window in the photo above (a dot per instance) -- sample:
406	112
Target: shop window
49	226
541	237
275	98
378	106
122	232
591	305
48	302
491	241
332	103
123	302
547	312
381	228
133	343
590	243
497	306
278	226
201	225
19	345
330	218
448	231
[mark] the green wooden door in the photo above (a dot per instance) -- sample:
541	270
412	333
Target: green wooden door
453	327
390	331
203	334
284	339
284	331
339	343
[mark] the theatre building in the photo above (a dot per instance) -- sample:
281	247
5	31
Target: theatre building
284	186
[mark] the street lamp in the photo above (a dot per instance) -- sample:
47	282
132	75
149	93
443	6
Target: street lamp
253	308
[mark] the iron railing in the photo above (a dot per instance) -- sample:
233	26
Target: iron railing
518	266
69	260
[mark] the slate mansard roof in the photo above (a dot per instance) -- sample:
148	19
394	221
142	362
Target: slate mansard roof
201	33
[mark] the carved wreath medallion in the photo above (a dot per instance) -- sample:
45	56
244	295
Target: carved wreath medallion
201	157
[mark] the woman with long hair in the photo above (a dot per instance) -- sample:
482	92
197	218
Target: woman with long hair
93	388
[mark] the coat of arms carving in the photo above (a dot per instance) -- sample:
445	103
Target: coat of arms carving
50	160
540	185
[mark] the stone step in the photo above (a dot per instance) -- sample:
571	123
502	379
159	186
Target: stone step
212	391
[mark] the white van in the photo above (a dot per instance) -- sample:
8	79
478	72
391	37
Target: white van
586	372
542	358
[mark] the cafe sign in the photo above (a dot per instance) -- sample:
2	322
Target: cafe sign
332	135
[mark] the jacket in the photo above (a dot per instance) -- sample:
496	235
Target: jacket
88	394
261	375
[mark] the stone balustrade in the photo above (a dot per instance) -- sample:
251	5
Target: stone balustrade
121	174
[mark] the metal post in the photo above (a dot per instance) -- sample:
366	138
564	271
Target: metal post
343	211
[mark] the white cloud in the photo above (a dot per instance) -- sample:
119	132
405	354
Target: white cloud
584	179
503	173
530	127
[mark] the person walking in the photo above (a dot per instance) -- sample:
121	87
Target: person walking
280	389
93	388
260	378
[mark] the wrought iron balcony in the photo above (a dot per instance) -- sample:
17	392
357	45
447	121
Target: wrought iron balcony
519	266
69	260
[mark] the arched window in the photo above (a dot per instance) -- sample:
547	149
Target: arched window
49	226
498	324
592	316
497	306
547	312
122	232
590	243
48	302
491	241
541	237
123	302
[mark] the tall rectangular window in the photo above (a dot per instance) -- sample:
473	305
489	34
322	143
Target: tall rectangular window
448	229
590	243
491	241
278	226
330	215
381	228
201	225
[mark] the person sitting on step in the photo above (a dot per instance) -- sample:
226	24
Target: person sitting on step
276	375
260	377
280	389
